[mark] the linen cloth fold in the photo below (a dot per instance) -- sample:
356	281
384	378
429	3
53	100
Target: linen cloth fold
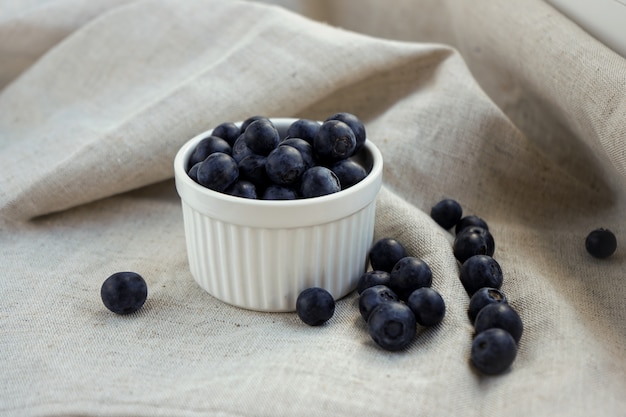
519	115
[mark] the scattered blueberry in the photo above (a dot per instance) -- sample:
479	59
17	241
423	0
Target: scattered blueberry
502	316
446	213
315	306
392	325
124	292
468	221
601	243
218	171
227	131
334	141
409	274
480	271
482	298
473	240
261	137
427	305
304	129
371	278
279	192
371	297
349	172
242	188
355	124
319	181
498	327
284	165
385	253
493	351
206	147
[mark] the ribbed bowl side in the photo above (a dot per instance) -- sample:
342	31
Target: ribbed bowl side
265	269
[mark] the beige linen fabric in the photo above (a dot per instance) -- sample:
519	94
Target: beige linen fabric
522	120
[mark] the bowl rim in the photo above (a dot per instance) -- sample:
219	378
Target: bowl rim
276	213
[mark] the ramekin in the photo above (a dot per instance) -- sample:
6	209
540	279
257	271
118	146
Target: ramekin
260	254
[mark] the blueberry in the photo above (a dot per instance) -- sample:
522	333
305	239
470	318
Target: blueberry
385	253
303	129
409	274
355	124
240	149
305	148
318	181
242	188
473	240
482	298
349	172
284	165
601	243
315	306
468	221
480	271
279	192
252	168
206	147
392	325
446	213
124	292
371	278
371	297
251	120
261	137
218	171
427	305
227	131
493	351
334	141
193	171
502	316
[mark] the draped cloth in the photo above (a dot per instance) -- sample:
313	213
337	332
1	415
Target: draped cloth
511	109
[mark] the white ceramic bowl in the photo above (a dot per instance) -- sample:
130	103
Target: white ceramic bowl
260	254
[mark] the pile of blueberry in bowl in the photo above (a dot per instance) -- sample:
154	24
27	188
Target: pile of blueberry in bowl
259	159
272	206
